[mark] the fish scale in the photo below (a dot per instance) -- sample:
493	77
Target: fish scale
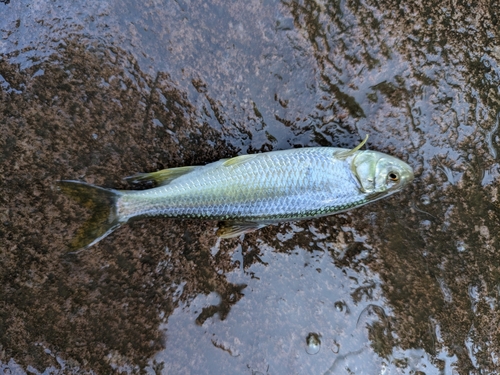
292	183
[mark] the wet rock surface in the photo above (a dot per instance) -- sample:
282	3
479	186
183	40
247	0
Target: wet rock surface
99	91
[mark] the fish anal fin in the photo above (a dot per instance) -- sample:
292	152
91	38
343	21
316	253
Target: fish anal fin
342	155
237	160
230	229
159	178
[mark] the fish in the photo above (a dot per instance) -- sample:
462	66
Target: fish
246	192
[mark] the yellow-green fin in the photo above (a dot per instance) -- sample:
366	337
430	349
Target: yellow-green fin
237	160
163	177
344	154
102	204
230	229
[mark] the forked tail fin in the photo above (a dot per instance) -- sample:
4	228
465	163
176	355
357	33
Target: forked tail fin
102	203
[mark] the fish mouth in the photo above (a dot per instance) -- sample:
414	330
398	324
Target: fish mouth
406	174
394	173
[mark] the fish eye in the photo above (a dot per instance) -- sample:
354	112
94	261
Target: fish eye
393	176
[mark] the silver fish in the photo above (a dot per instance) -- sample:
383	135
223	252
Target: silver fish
246	192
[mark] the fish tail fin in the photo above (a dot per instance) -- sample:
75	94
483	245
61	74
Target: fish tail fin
102	203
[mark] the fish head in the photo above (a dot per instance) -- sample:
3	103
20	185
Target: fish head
380	174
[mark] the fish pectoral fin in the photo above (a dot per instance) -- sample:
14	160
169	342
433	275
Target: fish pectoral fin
237	160
342	155
230	229
159	178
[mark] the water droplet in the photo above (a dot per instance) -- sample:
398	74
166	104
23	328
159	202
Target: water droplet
340	306
335	347
313	343
426	224
364	254
425	200
461	246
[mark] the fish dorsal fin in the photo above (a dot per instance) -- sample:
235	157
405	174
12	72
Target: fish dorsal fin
342	155
159	178
230	229
237	160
